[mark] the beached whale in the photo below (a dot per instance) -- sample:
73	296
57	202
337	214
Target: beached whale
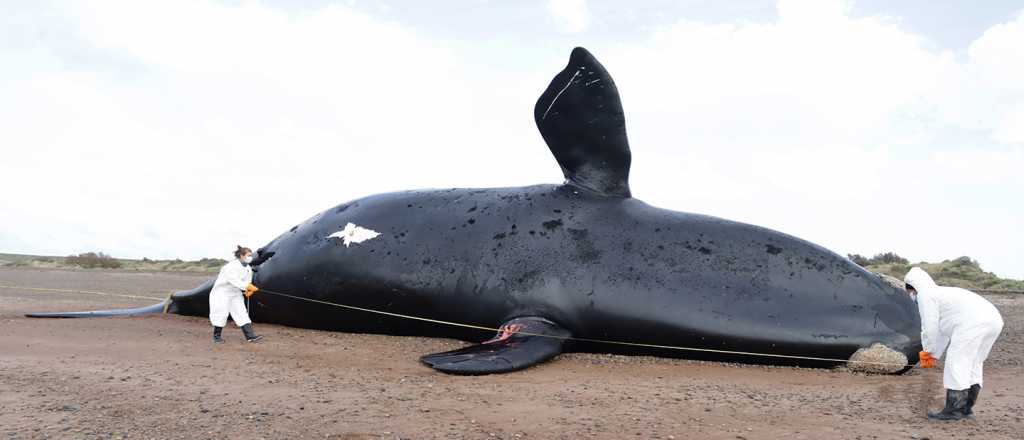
578	260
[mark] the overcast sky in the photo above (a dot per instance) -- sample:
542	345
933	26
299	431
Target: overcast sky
179	129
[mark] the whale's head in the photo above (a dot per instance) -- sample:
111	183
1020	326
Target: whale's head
898	312
316	257
873	312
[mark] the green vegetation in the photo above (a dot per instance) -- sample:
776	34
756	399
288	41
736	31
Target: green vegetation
92	260
961	272
99	260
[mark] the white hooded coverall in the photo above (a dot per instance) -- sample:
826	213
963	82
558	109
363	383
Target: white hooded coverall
964	320
226	295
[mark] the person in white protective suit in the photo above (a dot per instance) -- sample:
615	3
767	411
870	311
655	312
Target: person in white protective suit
968	324
233	282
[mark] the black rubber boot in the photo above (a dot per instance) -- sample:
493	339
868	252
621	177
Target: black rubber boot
972	398
217	339
250	335
956	401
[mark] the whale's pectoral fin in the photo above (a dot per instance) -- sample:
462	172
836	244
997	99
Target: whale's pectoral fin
580	117
521	343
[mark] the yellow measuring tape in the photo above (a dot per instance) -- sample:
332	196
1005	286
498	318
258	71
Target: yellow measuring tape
486	328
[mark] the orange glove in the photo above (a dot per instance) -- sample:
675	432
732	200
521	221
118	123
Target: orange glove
927	361
250	289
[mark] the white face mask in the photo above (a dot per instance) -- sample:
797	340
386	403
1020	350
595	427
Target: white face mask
247	259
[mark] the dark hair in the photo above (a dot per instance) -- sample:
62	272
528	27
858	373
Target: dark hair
242	251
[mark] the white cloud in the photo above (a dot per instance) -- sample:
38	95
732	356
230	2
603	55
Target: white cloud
231	125
998	56
183	129
1010	126
571	15
825	126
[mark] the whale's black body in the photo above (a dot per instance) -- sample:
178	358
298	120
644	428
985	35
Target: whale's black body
582	259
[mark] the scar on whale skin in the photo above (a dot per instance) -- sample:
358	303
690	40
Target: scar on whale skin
560	93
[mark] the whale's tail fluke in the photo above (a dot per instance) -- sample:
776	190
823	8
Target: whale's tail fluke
194	302
155	308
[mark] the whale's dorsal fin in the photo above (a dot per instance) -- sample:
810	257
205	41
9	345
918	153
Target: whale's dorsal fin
580	117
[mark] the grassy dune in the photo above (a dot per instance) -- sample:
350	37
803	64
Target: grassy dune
99	261
960	272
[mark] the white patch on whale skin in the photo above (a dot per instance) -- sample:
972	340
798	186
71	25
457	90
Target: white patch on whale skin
354	234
